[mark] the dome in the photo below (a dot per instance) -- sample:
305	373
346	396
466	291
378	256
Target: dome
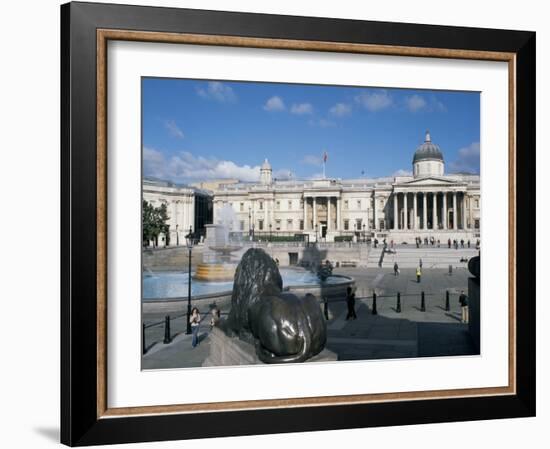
428	151
266	165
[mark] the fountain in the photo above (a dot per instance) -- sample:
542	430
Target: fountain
217	265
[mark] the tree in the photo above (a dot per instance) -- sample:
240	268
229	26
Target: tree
154	222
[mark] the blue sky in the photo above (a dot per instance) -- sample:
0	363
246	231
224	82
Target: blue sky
195	130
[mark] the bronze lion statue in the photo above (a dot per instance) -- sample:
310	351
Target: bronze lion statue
283	327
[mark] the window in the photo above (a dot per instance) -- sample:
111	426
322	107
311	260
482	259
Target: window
241	225
358	204
261	205
242	207
346	204
346	225
477	204
301	225
261	224
476	224
289	204
359	224
277	225
289	224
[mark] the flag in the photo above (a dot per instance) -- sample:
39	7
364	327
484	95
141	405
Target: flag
325	156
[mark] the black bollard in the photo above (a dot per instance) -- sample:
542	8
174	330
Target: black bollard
374	311
166	329
143	346
422	303
447	304
398	308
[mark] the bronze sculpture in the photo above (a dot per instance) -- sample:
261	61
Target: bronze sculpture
283	327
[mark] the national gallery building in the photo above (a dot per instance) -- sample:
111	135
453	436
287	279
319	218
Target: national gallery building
427	204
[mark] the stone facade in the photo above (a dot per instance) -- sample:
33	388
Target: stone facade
428	203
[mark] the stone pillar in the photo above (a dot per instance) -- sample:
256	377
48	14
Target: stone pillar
395	216
314	212
374	211
455	215
463	210
266	226
444	213
470	212
305	213
338	213
434	212
415	211
329	226
425	211
405	212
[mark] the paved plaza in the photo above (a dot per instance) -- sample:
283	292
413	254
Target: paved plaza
387	334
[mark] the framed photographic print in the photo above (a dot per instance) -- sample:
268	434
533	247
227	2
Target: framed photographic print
275	224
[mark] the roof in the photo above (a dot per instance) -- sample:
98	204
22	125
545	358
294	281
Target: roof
428	151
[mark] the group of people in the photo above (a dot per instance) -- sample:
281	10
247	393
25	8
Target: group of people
195	321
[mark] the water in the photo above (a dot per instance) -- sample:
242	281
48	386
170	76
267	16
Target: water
174	284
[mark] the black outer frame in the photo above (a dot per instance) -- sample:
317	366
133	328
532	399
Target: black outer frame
79	422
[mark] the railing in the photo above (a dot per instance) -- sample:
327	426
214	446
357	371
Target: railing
419	299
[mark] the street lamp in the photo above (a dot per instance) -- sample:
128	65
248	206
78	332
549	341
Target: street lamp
249	223
364	238
189	244
270	232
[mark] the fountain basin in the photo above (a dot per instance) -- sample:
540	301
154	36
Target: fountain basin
167	291
215	272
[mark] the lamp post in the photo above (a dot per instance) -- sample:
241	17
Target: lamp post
189	242
249	223
364	238
270	232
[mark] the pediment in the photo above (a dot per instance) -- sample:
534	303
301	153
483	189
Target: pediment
428	181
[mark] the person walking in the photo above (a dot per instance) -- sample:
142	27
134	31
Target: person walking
195	320
449	243
420	263
350	300
463	301
418	274
462	243
395	269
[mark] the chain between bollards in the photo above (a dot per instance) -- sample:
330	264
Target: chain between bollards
167	338
398	307
374	311
447	304
422	303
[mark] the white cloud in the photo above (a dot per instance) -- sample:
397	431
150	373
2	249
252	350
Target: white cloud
174	130
468	159
340	110
185	167
274	104
217	91
301	109
402	172
415	103
311	159
374	100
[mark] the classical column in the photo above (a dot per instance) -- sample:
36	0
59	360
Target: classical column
265	214
305	213
415	211
314	212
425	211
405	212
329	226
395	216
338	213
455	215
444	213
463	210
470	212
434	211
